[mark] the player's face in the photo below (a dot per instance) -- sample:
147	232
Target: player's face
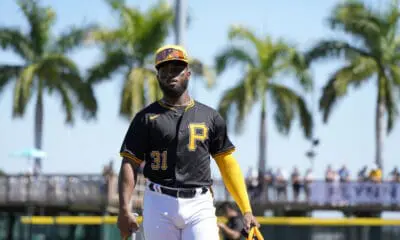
173	78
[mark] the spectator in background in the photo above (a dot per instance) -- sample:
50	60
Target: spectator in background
269	182
330	174
362	175
344	177
344	174
394	180
260	186
281	178
296	183
308	178
231	230
395	175
375	175
252	182
330	177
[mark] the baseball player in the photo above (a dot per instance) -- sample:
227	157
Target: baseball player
175	138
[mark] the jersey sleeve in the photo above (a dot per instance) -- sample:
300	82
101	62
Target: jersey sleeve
134	145
220	142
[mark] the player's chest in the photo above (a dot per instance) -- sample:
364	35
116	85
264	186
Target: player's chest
180	126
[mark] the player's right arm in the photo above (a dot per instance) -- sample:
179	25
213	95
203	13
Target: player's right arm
126	183
133	150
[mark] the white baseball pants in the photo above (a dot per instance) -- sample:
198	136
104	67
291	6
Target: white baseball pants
169	218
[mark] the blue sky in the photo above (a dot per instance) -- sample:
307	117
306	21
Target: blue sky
347	138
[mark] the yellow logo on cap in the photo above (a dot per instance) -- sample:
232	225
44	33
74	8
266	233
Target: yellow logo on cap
169	53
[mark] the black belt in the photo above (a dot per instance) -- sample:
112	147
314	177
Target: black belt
178	193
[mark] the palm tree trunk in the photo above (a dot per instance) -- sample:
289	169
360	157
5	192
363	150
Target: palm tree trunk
180	21
263	137
38	127
380	111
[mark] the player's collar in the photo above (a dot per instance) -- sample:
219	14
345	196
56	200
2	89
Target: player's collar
173	108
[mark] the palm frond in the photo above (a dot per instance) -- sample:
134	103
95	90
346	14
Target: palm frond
334	48
230	56
203	71
52	66
274	56
111	63
108	37
392	15
139	33
232	107
73	37
23	88
288	104
153	90
138	91
40	20
60	61
13	39
395	74
83	94
87	98
237	102
390	22
356	19
116	4
396	49
298	64
354	74
61	74
154	29
237	32
68	105
8	73
390	105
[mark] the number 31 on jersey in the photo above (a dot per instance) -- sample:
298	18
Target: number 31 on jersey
159	160
197	132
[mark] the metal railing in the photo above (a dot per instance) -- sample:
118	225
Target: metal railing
53	190
99	191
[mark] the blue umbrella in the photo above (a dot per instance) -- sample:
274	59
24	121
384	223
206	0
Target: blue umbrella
30	153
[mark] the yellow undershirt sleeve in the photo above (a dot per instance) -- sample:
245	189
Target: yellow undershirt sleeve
234	180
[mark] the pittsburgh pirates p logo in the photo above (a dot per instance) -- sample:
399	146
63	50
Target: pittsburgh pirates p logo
197	132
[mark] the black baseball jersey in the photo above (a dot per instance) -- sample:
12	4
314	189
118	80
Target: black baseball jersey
176	143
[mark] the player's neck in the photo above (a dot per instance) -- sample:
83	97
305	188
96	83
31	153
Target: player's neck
183	100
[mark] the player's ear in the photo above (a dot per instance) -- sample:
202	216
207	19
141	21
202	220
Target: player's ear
157	75
188	72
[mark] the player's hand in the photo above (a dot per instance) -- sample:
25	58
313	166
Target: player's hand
221	225
249	221
127	224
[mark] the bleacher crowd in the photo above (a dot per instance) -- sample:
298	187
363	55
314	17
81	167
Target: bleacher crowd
274	185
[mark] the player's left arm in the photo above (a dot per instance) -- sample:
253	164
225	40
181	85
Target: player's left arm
234	180
221	148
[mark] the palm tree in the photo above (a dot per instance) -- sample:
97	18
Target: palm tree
373	53
263	59
45	67
129	49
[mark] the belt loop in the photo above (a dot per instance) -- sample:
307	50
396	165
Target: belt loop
211	191
158	188
199	191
